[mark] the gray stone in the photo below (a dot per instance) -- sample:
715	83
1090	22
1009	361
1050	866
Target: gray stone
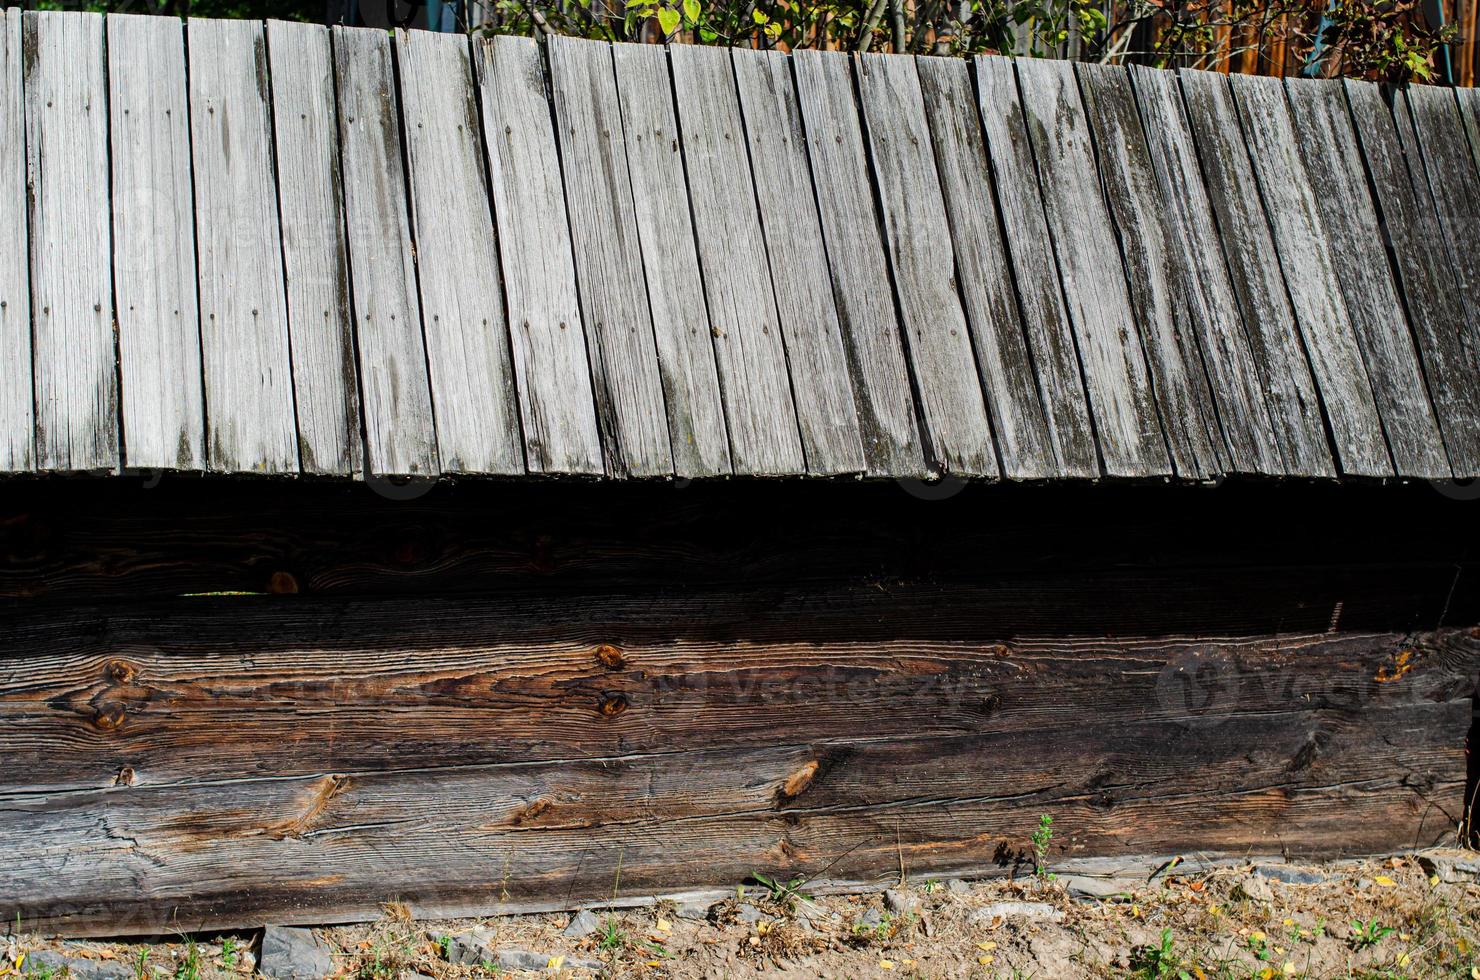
470	948
870	919
749	913
1285	874
1091	889
1039	911
899	901
524	959
1451	865
958	887
693	909
295	954
1254	889
48	963
582	924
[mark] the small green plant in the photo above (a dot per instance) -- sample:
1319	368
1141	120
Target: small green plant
776	891
141	965
931	886
1042	838
189	968
1365	935
611	936
1159	962
230	952
444	943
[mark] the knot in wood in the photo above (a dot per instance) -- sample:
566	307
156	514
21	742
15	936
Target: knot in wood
282	583
109	716
613	705
610	657
121	671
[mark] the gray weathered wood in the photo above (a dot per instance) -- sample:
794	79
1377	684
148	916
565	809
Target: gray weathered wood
547	340
17	396
76	374
1205	303
395	394
798	261
243	303
1152	266
1305	256
749	346
1035	270
311	203
1258	284
608	256
1327	144
154	277
924	265
670	262
1469	110
857	264
462	312
1115	373
984	277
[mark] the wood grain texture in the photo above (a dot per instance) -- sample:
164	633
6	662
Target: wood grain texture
462	311
1127	425
750	348
395	393
1469	110
857	265
1306	256
630	389
670	262
1323	133
75	362
1035	270
1258	283
983	274
1204	296
17	392
923	263
315	253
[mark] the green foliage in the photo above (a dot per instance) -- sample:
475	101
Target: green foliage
1160	962
1042	838
1368	934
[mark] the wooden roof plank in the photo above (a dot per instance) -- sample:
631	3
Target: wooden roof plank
857	265
395	393
629	383
462	307
749	345
1327	144
548	342
924	265
17	395
315	253
1469	110
798	263
66	107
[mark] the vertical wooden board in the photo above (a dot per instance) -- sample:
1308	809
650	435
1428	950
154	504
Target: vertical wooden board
749	346
243	303
924	266
857	264
76	374
1449	348
1205	300
1152	269
17	396
798	260
670	262
1035	270
629	381
983	274
548	343
462	312
315	257
1258	284
1469	110
154	278
395	393
1115	373
1323	133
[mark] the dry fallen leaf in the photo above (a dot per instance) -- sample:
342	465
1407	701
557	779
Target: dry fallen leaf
986	946
1384	881
886	964
985	960
664	925
556	962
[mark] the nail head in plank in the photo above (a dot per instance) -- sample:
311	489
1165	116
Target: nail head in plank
395	394
17	396
924	266
76	374
462	311
311	202
548	344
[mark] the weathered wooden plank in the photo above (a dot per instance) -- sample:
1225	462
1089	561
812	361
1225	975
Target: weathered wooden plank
798	262
670	261
1205	295
17	394
857	264
154	278
983	275
1258	284
750	348
1304	250
315	256
1127	426
1323	133
551	371
462	311
1449	348
1469	110
608	258
1035	270
395	393
75	364
923	263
